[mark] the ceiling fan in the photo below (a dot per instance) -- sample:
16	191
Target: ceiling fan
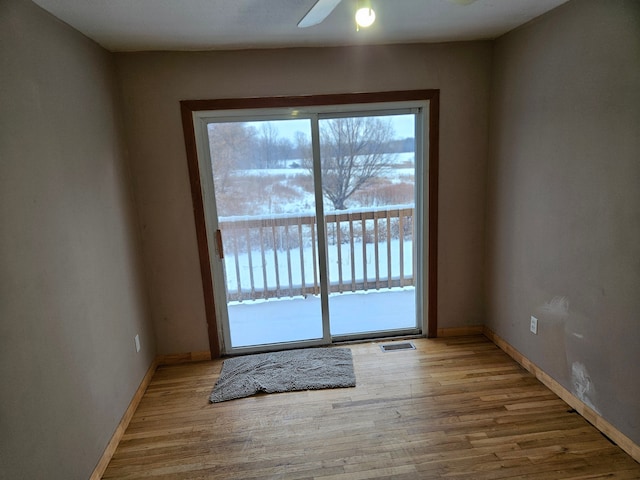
322	8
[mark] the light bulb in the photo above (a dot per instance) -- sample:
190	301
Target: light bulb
365	17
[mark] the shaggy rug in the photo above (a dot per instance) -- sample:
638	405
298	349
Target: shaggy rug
306	369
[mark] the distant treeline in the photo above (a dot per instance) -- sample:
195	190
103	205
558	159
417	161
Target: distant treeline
239	145
283	149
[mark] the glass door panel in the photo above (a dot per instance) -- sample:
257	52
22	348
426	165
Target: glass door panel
368	171
282	278
266	218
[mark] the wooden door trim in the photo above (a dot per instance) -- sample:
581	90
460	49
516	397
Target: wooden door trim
188	107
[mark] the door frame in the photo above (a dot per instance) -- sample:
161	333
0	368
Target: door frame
189	107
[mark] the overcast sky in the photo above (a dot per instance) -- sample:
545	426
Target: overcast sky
403	126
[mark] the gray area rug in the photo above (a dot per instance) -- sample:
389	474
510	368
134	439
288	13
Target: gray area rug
306	369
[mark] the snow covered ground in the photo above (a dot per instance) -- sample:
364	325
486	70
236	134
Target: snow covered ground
288	319
272	182
249	267
290	267
292	319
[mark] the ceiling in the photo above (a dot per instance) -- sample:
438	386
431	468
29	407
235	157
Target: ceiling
135	25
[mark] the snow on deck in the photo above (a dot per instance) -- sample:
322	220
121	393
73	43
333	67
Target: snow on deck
299	318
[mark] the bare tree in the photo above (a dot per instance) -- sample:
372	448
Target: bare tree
352	154
302	149
268	145
230	145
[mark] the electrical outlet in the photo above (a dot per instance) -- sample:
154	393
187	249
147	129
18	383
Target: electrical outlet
534	325
137	340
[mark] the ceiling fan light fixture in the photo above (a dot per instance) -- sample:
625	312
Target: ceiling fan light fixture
365	17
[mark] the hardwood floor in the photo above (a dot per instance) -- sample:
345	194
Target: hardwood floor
453	408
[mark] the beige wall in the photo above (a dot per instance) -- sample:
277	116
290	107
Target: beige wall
562	221
564	201
154	83
562	224
71	296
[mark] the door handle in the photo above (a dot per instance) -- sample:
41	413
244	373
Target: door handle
219	244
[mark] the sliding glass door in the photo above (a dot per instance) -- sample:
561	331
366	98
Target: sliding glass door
312	223
267	231
368	172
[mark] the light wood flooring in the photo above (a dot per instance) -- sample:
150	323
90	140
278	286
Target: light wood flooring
453	408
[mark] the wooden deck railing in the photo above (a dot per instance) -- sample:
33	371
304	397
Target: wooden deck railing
276	256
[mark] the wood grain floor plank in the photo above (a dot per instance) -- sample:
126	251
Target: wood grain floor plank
455	408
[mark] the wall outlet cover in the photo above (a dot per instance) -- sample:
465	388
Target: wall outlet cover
534	325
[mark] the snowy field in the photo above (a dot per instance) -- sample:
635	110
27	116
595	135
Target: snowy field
288	189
